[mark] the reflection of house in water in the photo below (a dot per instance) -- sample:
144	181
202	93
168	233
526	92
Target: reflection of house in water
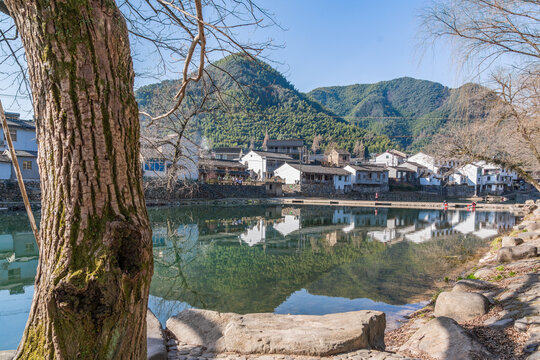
288	225
480	224
255	234
18	261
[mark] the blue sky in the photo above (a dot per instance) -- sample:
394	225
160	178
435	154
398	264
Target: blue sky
344	42
356	41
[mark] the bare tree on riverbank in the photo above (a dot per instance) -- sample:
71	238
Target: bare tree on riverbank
93	279
487	32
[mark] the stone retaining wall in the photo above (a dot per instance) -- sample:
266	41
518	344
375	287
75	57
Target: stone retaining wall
203	191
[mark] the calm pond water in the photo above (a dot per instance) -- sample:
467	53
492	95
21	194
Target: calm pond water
281	259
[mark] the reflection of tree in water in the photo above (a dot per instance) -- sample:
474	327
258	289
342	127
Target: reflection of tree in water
401	274
251	279
207	266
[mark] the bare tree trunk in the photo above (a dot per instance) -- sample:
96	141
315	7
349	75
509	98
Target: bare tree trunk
92	283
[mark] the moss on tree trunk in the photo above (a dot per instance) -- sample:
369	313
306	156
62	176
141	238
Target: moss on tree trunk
95	265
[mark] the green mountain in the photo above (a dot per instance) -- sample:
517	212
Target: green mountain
258	100
407	110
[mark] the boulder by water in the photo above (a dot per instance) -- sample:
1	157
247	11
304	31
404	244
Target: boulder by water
280	334
460	305
443	338
512	253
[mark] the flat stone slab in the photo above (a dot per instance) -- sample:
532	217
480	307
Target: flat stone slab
280	334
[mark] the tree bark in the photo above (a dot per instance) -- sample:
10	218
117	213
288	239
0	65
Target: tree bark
93	279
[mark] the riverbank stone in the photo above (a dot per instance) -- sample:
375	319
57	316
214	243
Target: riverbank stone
524	251
155	342
443	338
268	333
529	235
472	285
511	241
461	305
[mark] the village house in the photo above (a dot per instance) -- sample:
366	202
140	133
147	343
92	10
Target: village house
402	175
488	179
434	165
300	174
367	177
23	136
293	147
261	164
391	158
158	154
338	157
227	153
222	169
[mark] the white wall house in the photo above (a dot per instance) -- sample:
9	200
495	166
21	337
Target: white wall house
433	165
5	167
488	178
23	133
340	179
366	175
391	158
262	164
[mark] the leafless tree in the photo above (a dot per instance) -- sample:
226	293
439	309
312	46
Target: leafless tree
93	280
489	34
316	146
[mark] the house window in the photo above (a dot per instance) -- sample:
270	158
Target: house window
13	134
154	165
14	274
339	178
27	165
29	247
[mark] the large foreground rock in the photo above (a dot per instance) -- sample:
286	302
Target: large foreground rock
460	305
508	254
443	338
280	334
155	342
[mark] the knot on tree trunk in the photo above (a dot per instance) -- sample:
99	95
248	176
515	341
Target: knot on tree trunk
126	243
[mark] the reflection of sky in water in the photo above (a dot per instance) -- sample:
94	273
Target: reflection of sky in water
302	302
14	311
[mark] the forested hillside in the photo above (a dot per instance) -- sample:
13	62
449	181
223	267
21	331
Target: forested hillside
259	99
408	110
254	98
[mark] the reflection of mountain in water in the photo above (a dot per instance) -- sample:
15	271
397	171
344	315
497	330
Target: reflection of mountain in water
252	259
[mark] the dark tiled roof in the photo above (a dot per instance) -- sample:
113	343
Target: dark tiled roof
316	169
397	153
221	163
272	155
14	121
288	142
25	153
228	150
369	167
